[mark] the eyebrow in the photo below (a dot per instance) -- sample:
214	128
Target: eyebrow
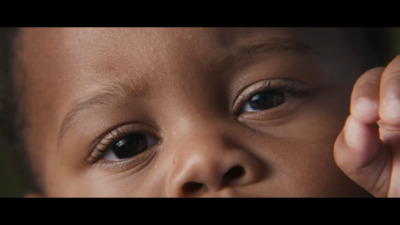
108	96
274	45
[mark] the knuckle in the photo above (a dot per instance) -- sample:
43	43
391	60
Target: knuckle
389	125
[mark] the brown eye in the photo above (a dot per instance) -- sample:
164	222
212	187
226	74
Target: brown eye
264	100
129	146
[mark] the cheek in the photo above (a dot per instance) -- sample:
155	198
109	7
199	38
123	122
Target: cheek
92	182
300	149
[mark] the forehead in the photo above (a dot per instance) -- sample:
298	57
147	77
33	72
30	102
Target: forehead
96	38
78	59
94	49
101	39
83	60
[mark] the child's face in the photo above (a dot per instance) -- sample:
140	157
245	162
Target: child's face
186	112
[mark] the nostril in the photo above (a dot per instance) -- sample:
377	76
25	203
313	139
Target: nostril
231	177
234	173
192	187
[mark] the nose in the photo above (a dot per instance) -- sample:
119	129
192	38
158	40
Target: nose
208	164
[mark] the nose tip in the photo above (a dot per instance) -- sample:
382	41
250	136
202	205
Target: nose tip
215	176
230	178
210	164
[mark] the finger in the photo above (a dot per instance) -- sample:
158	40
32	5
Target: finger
389	109
389	113
359	153
365	96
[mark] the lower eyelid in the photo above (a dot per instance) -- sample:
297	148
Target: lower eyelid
133	164
271	117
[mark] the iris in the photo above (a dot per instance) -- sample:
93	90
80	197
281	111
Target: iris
265	100
129	146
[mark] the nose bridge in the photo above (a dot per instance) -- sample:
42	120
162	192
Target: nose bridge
200	140
202	135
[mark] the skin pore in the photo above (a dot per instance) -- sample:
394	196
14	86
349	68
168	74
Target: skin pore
209	112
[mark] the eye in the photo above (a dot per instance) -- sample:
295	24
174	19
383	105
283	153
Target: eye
266	95
125	146
129	146
264	100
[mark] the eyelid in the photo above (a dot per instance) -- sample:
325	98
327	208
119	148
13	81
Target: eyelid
248	91
134	164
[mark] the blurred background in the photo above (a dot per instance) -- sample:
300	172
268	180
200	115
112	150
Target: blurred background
12	180
12	183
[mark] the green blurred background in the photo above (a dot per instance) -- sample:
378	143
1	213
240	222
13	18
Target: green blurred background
12	182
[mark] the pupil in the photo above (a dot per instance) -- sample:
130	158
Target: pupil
129	146
266	100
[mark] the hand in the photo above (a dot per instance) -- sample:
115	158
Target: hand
368	147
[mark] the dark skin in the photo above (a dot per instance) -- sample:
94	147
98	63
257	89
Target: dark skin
188	112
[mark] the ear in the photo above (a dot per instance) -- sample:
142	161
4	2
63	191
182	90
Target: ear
34	195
